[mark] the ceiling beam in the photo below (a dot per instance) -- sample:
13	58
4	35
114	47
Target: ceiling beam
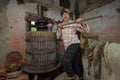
52	6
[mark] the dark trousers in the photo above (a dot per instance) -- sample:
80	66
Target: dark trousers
72	60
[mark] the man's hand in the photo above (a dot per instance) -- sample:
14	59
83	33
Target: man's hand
60	25
81	22
78	20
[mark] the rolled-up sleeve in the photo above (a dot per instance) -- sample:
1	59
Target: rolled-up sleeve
59	34
80	28
87	29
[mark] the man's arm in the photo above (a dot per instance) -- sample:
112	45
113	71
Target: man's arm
59	31
83	27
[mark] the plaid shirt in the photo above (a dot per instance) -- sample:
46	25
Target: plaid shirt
68	33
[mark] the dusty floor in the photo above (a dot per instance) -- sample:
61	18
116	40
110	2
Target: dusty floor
63	76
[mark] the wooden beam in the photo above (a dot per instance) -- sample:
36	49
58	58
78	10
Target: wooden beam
41	3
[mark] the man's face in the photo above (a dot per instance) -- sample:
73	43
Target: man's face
65	17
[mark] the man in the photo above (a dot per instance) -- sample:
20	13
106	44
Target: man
67	32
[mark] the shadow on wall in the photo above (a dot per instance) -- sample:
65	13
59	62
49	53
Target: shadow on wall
3	3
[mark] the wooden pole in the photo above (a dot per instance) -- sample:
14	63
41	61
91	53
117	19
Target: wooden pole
100	16
87	19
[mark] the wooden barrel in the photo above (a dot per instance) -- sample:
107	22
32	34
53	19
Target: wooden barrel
60	48
41	51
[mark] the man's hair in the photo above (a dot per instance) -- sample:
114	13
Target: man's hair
66	11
